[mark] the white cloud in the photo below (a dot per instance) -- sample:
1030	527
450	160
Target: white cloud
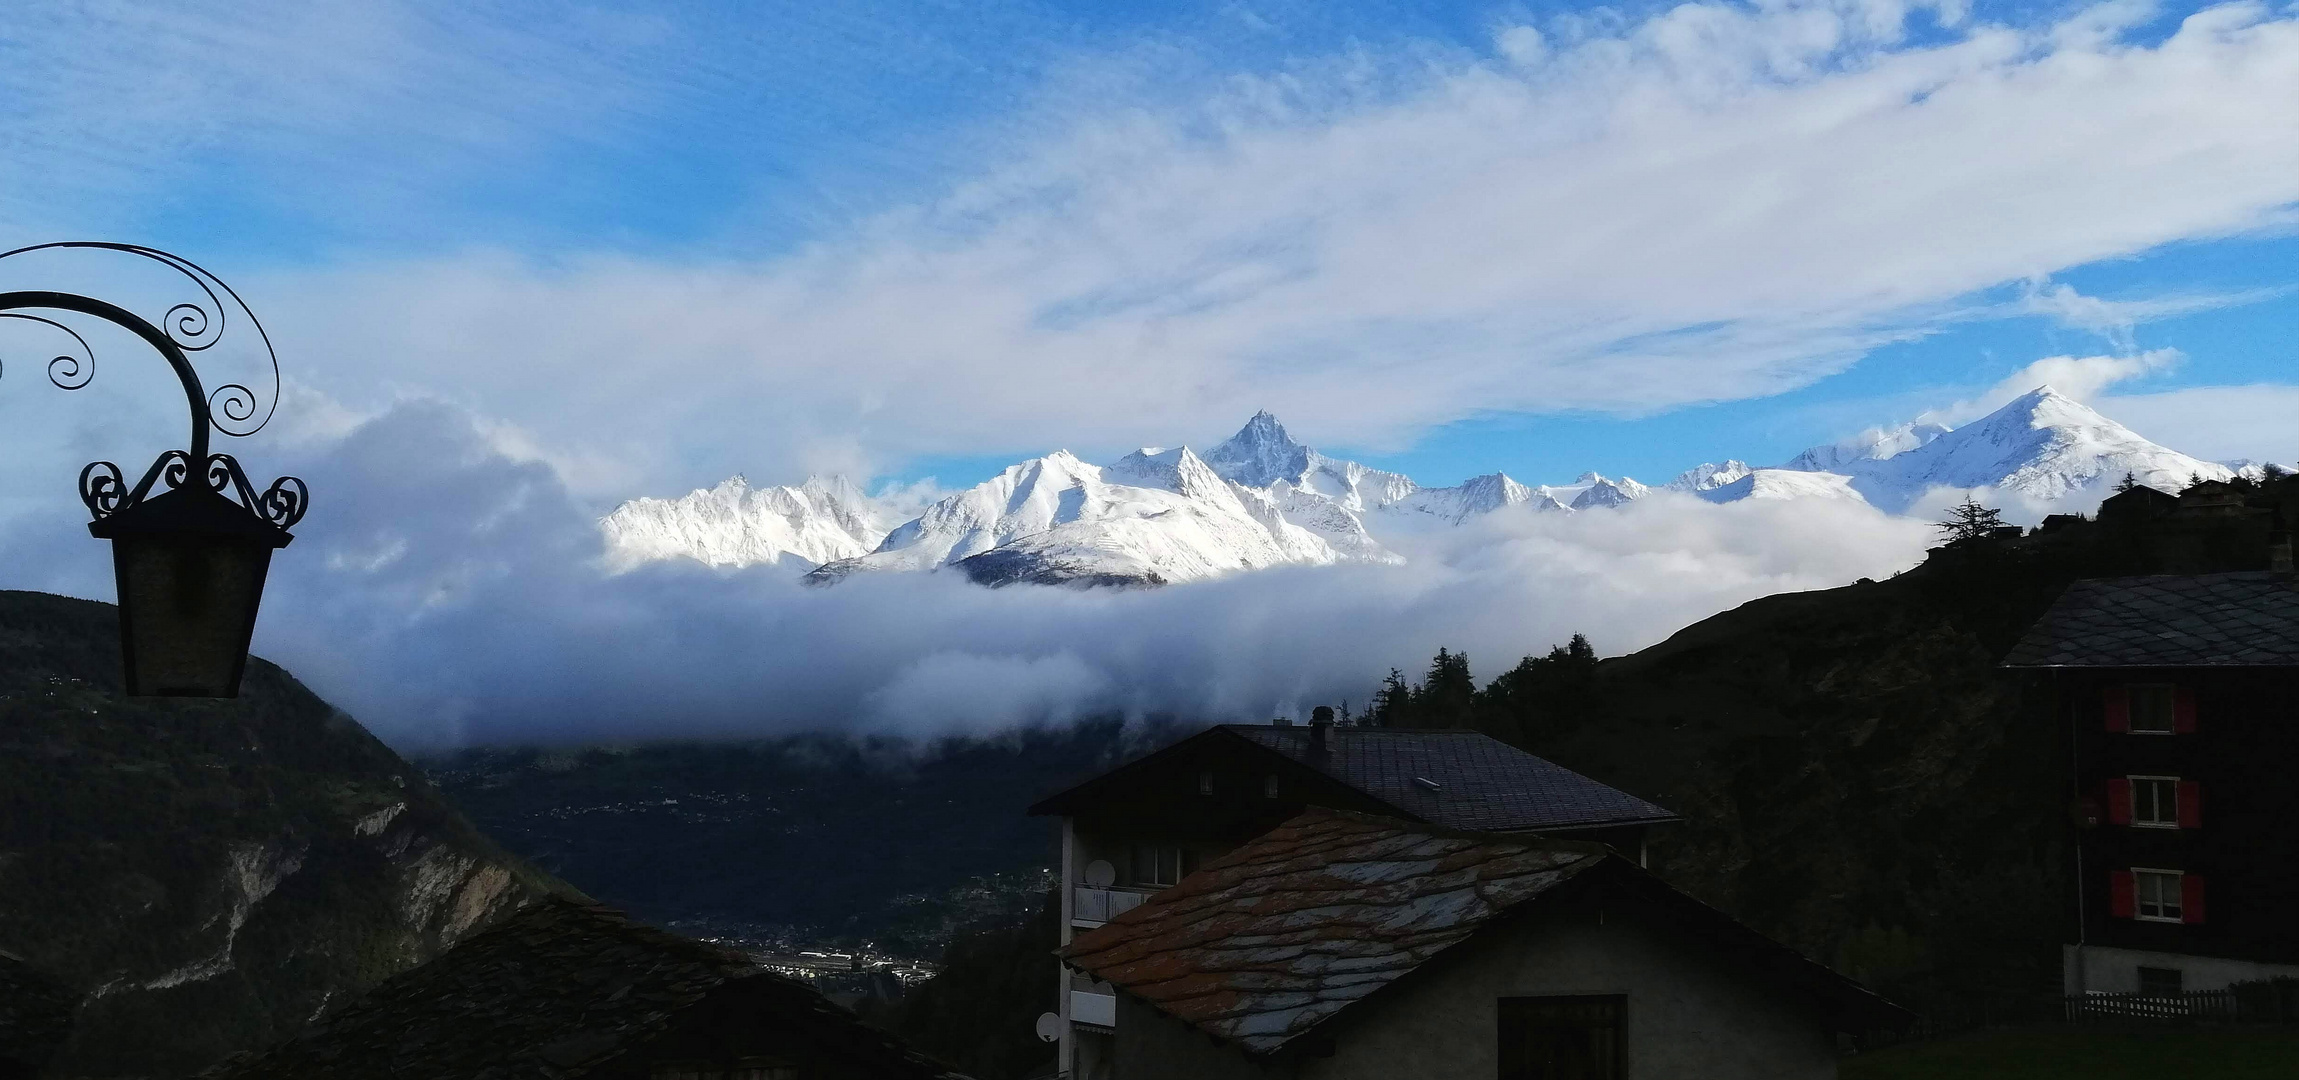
444	592
2217	423
1715	203
2080	377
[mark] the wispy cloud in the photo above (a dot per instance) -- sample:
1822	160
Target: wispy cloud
1714	203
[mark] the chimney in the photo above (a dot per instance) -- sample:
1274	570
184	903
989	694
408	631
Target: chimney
1320	722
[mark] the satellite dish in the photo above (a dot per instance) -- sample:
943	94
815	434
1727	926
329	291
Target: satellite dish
1050	1027
1100	874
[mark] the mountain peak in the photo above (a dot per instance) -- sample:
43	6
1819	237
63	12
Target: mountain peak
1260	454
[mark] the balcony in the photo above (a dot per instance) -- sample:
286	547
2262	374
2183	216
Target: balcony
1099	1010
1091	907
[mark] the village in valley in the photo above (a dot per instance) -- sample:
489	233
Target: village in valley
447	701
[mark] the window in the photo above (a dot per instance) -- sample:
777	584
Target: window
2152	707
1562	1038
1205	783
1156	865
2155	802
1269	786
2159	982
2157	895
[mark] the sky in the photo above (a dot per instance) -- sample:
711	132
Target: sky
570	254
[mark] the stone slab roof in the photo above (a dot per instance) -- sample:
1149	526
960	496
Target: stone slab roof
559	990
2172	620
1481	783
1324	912
1272	939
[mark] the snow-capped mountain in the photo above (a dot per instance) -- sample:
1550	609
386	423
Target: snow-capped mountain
1709	476
1152	517
1874	444
1601	492
2043	445
1260	499
1782	484
734	524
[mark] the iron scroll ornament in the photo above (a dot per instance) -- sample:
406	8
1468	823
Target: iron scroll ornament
185	328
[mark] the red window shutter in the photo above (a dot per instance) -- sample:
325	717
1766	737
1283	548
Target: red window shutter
2182	710
2118	710
2120	893
2190	805
2190	898
2119	801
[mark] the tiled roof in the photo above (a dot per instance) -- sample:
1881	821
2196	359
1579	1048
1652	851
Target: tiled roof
1266	942
1481	782
2246	619
560	990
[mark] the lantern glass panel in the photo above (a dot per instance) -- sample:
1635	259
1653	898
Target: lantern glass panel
187	611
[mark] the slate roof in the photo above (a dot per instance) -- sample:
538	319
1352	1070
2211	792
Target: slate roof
1482	783
559	990
1264	944
35	1016
2172	620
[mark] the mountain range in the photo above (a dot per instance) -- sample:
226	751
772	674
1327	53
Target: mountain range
1260	499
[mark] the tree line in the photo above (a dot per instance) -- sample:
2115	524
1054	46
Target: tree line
1539	692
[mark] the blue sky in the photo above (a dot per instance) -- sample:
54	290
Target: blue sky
334	157
523	261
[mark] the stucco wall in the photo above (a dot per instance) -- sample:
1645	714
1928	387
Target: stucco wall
1687	1017
2098	969
1154	1046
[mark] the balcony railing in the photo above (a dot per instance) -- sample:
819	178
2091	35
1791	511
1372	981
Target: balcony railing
1092	1008
1092	907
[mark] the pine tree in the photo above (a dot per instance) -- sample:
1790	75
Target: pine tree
1970	521
2126	484
1447	696
1392	704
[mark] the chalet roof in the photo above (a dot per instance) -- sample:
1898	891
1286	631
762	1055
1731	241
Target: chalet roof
1479	782
559	990
2172	620
1266	943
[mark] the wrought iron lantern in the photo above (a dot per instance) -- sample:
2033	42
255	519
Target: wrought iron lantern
189	559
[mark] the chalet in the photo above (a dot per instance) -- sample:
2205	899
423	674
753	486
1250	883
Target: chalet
564	990
2177	695
1340	946
1146	825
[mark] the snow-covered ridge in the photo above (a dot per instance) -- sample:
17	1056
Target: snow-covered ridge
734	524
1259	499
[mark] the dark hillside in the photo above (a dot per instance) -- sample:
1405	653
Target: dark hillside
208	875
1857	776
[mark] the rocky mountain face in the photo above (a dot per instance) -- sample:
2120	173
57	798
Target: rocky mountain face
1260	499
207	876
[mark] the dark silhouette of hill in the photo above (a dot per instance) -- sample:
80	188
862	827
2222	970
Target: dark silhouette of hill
206	876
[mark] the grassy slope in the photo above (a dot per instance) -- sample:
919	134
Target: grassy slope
2081	1054
197	868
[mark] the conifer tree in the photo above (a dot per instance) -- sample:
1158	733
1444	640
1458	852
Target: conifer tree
1970	521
